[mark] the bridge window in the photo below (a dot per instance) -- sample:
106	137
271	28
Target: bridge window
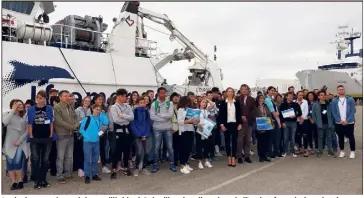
22	7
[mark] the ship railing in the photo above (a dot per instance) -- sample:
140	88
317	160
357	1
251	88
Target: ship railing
67	39
145	47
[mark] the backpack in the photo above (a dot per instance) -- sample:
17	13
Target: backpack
156	104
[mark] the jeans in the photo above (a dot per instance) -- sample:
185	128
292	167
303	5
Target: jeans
277	139
40	150
168	140
53	159
64	156
151	146
141	152
15	163
328	134
289	136
91	152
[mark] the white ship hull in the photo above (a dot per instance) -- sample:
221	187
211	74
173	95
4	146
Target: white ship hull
316	79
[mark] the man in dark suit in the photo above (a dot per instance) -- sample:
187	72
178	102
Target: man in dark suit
247	106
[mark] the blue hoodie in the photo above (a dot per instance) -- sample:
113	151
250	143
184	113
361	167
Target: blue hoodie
350	109
91	134
141	124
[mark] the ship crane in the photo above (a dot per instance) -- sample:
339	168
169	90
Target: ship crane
200	70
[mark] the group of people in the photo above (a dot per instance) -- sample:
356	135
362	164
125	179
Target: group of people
135	133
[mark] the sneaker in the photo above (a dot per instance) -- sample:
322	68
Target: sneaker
251	152
200	166
45	184
267	159
218	154
248	160
240	160
37	185
284	155
332	154
294	155
193	157
106	170
20	185
342	154
81	173
96	178
71	178
145	171
352	155
128	173
189	167
305	154
155	168
61	181
136	172
120	168
87	180
273	156
185	170
113	175
279	156
208	164
14	186
172	167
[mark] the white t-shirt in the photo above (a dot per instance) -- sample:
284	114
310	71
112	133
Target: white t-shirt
342	108
231	112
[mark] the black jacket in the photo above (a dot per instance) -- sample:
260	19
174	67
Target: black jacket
223	112
296	107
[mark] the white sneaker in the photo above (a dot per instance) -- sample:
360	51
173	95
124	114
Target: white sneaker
284	154
81	173
189	168
218	154
342	154
136	173
185	170
208	164
200	166
106	170
294	155
145	171
251	152
352	155
120	168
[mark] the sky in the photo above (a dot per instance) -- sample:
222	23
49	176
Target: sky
255	40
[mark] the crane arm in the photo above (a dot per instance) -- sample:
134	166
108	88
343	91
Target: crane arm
175	33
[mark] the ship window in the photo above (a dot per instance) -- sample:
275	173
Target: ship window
22	7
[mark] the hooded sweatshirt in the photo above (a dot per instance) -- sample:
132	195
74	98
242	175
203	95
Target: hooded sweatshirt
161	115
141	124
91	134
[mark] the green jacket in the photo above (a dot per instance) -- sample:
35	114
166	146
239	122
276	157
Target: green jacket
64	119
316	115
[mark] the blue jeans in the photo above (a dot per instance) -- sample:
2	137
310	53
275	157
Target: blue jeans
91	149
17	162
168	139
289	136
151	146
141	152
